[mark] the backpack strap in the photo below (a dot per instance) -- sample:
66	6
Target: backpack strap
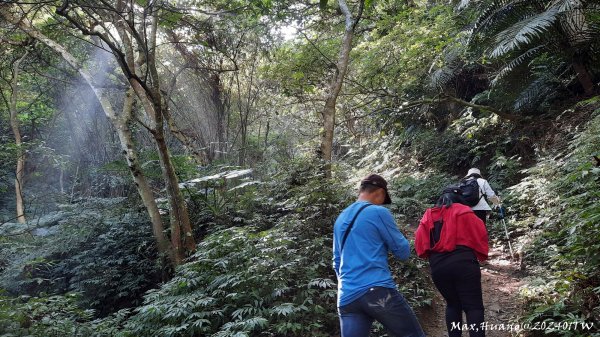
435	232
350	226
481	194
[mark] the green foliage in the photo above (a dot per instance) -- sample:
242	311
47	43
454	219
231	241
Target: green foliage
185	168
517	35
52	316
115	269
563	190
263	261
502	170
243	280
302	69
8	151
445	151
104	254
247	281
412	195
396	55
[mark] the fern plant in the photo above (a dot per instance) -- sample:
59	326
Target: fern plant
559	200
522	55
515	32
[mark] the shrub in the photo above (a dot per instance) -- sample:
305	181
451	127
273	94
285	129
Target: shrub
567	197
53	316
103	251
413	194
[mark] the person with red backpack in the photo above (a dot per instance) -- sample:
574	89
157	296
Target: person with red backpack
453	238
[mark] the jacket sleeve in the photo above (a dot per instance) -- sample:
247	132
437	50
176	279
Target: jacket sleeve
422	243
336	256
489	193
393	238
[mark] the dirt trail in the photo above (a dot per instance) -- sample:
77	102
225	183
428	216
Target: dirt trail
500	279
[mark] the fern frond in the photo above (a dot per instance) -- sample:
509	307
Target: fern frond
575	20
499	11
516	62
524	32
441	77
538	91
453	64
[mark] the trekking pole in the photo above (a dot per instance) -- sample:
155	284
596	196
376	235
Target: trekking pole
512	256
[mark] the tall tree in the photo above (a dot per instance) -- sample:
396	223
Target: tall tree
135	49
205	74
121	124
14	124
335	86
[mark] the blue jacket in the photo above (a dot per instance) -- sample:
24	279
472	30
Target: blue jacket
363	263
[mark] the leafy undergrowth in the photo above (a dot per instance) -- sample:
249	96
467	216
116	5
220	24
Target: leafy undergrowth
266	272
278	282
263	264
559	219
101	249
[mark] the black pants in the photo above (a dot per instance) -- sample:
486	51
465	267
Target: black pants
458	278
481	215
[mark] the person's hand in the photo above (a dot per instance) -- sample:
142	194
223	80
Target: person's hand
501	211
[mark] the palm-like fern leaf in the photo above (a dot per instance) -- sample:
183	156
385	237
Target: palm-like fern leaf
539	91
577	20
499	11
516	62
524	31
441	77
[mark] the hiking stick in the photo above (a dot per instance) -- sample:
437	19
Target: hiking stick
512	256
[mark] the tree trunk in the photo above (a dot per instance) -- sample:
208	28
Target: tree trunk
213	83
584	77
267	135
155	111
200	158
180	220
216	97
335	86
14	123
243	145
127	145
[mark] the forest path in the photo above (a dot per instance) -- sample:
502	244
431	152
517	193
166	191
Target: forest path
501	279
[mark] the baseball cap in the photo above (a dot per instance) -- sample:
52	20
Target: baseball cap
378	181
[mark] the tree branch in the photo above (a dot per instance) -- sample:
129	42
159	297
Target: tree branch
497	112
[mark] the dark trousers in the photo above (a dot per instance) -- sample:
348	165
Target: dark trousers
385	305
481	215
459	283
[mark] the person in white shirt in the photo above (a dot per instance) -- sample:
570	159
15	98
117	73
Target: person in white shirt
482	208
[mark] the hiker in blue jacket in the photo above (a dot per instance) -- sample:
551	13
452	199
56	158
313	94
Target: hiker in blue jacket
363	235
